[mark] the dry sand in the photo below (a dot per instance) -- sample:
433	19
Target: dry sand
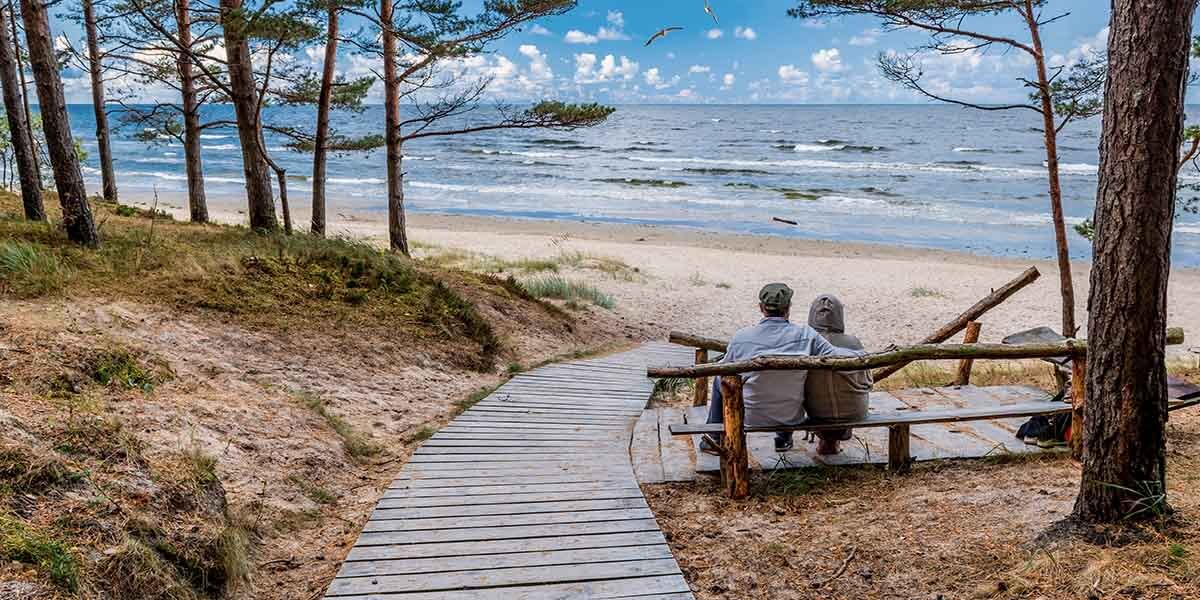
707	283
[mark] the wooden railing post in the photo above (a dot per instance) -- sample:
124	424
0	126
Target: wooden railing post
735	462
964	366
898	453
701	393
1078	398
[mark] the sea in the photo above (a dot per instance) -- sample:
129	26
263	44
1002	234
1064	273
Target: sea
928	176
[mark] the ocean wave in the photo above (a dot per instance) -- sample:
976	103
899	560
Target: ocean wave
159	160
836	166
979	150
489	151
667	183
353	180
213	136
722	171
812	147
220	147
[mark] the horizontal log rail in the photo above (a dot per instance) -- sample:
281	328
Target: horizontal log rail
907	354
875	359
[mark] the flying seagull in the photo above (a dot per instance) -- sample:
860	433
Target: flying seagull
661	33
708	9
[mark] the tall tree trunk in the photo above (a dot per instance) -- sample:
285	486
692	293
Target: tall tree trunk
77	215
108	178
322	134
16	40
1066	283
18	127
397	234
1124	444
260	202
197	202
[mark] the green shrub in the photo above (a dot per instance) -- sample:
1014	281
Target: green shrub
21	543
28	269
120	367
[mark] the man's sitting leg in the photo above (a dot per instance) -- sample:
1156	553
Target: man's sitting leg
783	441
716	414
829	443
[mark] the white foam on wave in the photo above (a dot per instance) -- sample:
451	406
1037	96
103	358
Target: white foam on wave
213	136
219	147
821	147
353	180
831	165
526	154
159	160
968	149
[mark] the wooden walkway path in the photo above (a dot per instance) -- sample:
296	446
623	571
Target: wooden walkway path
528	495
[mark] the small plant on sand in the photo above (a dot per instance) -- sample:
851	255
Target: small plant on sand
233	549
1148	498
465	404
357	444
28	269
563	289
791	482
422	434
697	279
23	471
20	542
135	570
924	292
121	368
312	491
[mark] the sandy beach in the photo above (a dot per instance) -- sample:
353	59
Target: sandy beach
707	283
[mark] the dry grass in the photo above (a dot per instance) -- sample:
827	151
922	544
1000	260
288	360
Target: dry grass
992	372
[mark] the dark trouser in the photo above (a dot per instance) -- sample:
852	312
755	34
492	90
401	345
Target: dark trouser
716	411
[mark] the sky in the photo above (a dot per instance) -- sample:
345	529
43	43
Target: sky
753	53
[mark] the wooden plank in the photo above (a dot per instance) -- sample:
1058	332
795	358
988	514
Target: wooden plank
518	508
513	559
538	418
464	423
491	578
515	444
489	521
644	449
609	588
506	533
411	551
507	485
614	493
567	436
904	418
677	454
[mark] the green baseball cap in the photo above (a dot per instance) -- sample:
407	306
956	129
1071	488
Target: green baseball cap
775	296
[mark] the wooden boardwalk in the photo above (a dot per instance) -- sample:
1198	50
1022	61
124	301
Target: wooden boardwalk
528	495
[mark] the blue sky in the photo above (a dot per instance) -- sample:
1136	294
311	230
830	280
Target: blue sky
755	53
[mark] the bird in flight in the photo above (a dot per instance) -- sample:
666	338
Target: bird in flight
661	33
708	9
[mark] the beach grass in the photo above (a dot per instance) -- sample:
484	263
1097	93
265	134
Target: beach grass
560	288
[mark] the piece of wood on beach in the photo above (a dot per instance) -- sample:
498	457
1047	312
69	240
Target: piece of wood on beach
976	311
964	366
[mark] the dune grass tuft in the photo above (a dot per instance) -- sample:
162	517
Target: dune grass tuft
561	288
29	269
358	445
52	556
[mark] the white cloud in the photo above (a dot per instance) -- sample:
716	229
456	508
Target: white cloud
539	69
814	24
1088	47
607	34
616	18
866	38
653	78
576	36
790	74
610	68
670	56
714	34
537	29
727	81
745	33
828	60
687	93
694	69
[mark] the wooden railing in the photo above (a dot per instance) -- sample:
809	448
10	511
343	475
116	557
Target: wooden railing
734	456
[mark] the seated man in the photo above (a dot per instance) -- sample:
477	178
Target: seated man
771	397
835	395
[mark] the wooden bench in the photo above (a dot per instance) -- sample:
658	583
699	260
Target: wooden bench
899	423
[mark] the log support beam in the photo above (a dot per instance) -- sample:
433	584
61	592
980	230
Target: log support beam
735	461
899	457
1078	398
701	392
964	366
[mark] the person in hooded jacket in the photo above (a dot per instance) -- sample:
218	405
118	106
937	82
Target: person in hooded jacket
835	395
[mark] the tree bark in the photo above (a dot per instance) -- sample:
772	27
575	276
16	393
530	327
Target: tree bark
397	234
197	202
108	178
322	134
16	41
1065	282
31	189
77	215
259	198
1124	443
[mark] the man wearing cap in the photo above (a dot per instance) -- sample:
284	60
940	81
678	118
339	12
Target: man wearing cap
772	397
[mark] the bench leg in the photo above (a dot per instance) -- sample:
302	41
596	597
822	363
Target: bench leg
700	397
735	467
1078	398
898	455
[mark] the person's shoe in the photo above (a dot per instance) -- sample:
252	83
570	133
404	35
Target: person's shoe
783	445
828	447
710	445
1050	442
1034	429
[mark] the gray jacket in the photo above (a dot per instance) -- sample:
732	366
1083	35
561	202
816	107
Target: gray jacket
776	397
835	395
